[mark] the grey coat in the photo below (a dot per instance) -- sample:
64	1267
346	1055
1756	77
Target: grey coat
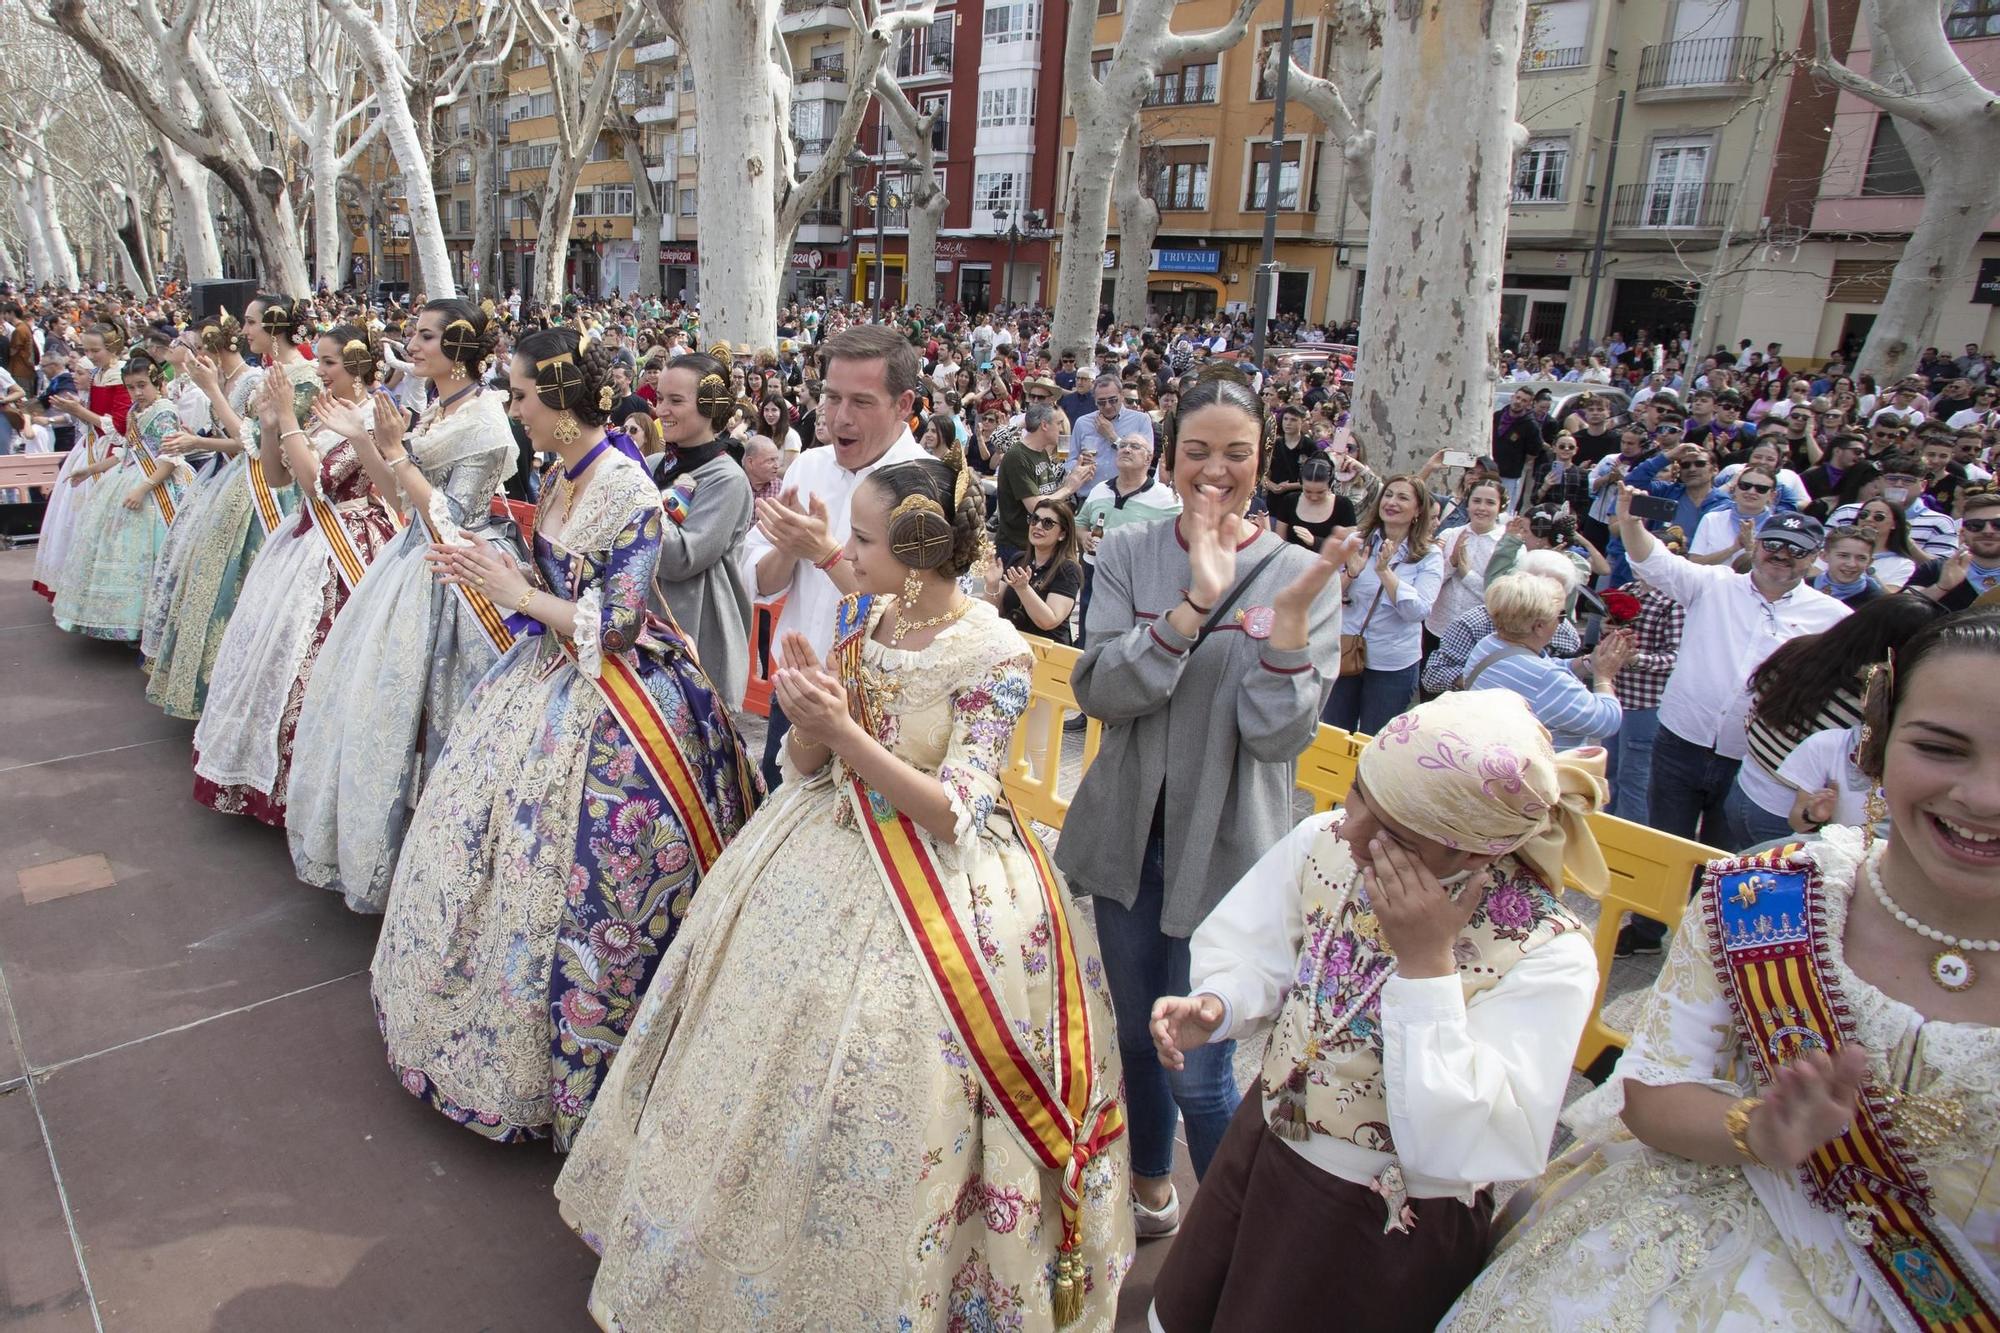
1219	726
698	580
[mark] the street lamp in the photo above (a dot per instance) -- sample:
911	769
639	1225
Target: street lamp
1013	233
879	200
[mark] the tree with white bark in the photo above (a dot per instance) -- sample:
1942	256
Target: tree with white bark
646	213
175	52
1344	103
1950	123
1105	111
416	61
923	184
583	73
1446	136
1138	225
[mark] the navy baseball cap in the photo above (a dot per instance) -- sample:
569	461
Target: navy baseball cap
1801	531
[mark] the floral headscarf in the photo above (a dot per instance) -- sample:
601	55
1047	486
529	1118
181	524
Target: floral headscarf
1475	771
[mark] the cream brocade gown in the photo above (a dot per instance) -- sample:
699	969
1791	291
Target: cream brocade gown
1625	1238
792	1137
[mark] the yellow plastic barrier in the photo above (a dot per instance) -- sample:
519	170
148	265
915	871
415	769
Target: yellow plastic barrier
1651	872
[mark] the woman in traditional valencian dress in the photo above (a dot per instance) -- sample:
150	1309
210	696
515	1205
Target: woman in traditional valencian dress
245	509
1712	1187
407	650
199	443
101	428
302	578
124	524
587	786
801	1130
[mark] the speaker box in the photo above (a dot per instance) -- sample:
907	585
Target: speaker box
213	297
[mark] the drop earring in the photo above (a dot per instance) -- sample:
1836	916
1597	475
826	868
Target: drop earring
567	431
913	588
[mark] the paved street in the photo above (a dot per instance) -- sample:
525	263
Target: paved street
197	1129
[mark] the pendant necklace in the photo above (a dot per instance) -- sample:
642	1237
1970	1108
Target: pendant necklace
1951	966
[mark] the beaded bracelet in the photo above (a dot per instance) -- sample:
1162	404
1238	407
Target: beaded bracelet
829	560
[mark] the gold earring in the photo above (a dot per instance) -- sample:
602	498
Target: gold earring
913	588
567	431
1874	811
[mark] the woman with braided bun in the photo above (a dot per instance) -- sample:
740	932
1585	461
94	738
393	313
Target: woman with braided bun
823	1117
709	507
407	650
301	581
245	508
588	784
102	420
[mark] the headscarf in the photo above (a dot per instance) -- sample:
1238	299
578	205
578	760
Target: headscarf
1475	771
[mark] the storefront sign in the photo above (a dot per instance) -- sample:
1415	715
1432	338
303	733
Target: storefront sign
806	258
1186	261
945	265
677	254
950	249
1987	290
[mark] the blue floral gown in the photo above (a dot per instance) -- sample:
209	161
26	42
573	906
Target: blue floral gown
110	571
545	871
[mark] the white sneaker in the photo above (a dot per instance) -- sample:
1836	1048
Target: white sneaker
1148	1223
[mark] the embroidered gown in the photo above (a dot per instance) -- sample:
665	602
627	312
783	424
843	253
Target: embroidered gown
400	660
209	475
225	537
793	1136
545	870
243	743
107	396
1622	1237
109	570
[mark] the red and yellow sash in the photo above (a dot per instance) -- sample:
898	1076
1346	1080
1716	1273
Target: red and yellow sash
625	695
347	561
1060	1115
158	490
1767	928
491	622
263	500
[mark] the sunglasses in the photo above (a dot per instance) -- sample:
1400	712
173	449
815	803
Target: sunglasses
1755	487
1980	525
1044	521
1040	398
1783	549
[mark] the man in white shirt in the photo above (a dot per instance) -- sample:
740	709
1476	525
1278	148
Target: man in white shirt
794	551
1734	622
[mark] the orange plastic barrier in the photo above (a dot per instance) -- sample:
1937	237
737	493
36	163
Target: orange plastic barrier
763	638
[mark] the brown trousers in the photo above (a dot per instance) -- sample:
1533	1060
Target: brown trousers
1273	1242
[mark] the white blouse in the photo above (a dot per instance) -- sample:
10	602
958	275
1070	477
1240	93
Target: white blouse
1473	1088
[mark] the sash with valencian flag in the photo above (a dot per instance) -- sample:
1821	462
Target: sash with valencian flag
159	490
1767	929
491	622
1059	1115
263	500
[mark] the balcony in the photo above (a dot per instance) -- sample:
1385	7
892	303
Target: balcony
1672	206
820	83
1702	67
664	49
811	152
821	226
798	18
1548	59
662	171
932	64
665	107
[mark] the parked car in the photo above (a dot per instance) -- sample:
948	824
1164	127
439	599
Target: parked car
1564	391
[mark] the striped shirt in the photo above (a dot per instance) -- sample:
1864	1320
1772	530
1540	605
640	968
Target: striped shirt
1770	748
1574	714
1932	532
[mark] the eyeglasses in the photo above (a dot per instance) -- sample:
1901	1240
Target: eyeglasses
1044	521
1040	398
1980	525
1755	487
1781	548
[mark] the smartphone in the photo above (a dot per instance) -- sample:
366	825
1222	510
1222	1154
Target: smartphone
1652	507
1458	458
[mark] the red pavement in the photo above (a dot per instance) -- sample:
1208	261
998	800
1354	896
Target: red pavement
197	1129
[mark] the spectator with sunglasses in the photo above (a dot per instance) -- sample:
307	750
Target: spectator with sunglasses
1691	485
1934	532
1727	536
1974	569
1734	622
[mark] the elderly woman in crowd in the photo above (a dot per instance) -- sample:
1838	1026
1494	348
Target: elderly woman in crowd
1526	609
1428	988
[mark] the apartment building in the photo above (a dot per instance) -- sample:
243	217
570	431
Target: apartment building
1642	130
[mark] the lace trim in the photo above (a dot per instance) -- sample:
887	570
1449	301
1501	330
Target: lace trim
589	607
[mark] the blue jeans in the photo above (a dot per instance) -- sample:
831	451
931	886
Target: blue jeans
1631	764
1753	825
1365	703
1689	797
774	739
1141	965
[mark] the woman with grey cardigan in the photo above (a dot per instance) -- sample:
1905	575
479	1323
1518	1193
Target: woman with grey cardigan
709	507
1212	646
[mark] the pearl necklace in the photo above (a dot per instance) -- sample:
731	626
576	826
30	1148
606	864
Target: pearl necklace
1950	968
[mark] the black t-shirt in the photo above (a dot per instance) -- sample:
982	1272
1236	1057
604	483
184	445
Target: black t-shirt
1341	517
1592	447
1065	580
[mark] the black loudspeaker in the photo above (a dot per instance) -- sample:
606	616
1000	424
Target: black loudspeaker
217	295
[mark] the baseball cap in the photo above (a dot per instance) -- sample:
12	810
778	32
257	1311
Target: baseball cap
1800	531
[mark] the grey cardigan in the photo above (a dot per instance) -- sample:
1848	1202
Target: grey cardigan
1218	726
698	579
